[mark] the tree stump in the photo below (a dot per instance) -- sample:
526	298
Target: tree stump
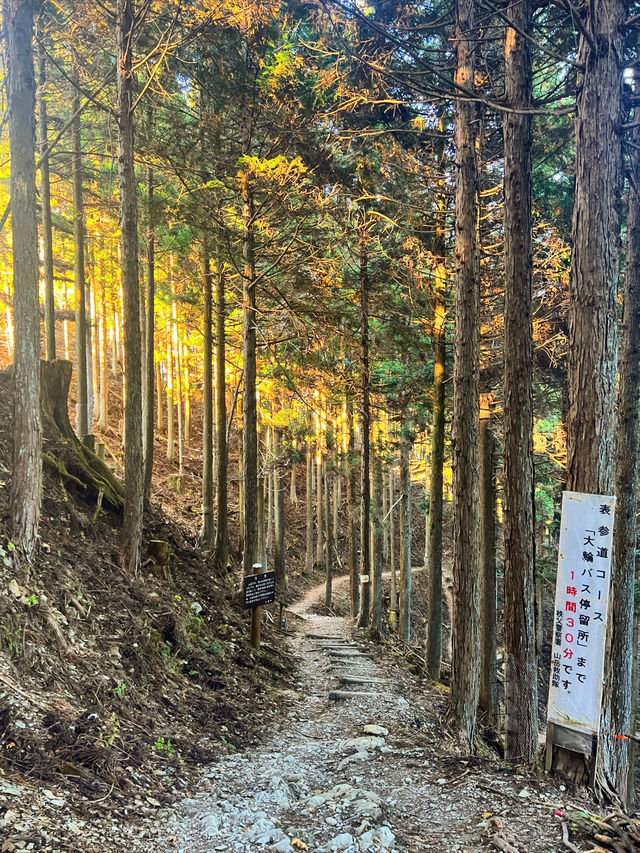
63	451
159	552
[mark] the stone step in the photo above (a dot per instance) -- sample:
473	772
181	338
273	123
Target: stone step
348	653
339	647
349	678
324	637
343	695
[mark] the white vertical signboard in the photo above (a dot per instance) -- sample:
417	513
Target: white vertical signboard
580	616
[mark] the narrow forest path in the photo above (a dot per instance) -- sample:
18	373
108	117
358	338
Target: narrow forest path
360	762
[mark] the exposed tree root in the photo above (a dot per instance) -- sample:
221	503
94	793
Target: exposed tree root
65	453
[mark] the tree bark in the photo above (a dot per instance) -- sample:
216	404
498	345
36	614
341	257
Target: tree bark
93	348
521	667
308	559
354	587
149	355
593	284
594	263
133	461
270	494
434	521
488	695
393	602
320	544
404	597
240	489
208	527
376	550
159	396
293	492
177	348
279	551
328	545
26	480
617	698
465	635
171	449
262	531
221	556
45	201
385	521
82	404
88	342
335	509
103	420
249	404
365	432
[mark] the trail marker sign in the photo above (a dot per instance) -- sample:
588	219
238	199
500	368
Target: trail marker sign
580	619
259	589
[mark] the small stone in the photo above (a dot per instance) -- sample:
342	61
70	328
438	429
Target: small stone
341	842
368	808
378	731
282	846
210	825
385	836
356	756
363	744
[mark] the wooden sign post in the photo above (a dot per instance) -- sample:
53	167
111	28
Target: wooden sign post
259	589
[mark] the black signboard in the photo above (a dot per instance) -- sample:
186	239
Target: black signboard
259	589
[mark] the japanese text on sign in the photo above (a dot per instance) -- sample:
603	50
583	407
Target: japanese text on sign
259	589
580	617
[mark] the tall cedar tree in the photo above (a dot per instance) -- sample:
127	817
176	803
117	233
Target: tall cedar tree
434	522
83	427
618	684
26	481
133	462
149	327
365	427
594	275
45	199
521	695
249	331
221	554
465	633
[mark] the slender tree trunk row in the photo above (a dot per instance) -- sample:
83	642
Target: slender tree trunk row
465	636
133	461
521	666
26	480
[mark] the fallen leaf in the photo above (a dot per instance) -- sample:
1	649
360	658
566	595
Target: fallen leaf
299	845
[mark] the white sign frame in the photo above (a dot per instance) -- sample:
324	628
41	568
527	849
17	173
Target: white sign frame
581	610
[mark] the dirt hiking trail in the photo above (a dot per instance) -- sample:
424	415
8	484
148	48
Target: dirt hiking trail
361	762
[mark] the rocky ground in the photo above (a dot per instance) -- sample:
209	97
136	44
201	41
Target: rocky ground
360	762
359	759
